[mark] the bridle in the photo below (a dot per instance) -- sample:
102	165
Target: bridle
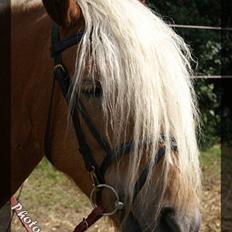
97	173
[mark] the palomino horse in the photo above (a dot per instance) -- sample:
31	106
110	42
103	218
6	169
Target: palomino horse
131	72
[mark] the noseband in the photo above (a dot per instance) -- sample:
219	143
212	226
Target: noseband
96	172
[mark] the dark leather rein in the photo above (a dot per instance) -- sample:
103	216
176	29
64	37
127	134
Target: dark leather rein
97	172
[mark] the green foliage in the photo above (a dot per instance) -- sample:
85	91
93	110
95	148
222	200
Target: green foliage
212	49
209	99
210	160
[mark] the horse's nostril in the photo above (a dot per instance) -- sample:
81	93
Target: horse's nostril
168	221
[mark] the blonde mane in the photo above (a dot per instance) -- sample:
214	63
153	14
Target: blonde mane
144	69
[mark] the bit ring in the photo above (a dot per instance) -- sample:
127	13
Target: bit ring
118	205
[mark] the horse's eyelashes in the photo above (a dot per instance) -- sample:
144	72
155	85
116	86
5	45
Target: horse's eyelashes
90	89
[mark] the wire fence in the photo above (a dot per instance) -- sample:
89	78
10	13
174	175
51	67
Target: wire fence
213	76
200	27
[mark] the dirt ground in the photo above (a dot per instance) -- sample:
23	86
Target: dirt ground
211	206
57	205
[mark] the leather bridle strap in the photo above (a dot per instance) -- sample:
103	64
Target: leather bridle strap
60	46
62	76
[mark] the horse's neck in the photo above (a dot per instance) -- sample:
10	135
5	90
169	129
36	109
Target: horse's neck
31	89
31	76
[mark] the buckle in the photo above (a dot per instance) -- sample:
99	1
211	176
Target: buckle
58	66
93	177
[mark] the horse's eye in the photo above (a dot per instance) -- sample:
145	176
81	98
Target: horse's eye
90	89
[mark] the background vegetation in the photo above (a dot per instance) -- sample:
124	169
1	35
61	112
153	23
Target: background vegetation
212	51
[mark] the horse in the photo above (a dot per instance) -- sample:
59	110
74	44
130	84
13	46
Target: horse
132	74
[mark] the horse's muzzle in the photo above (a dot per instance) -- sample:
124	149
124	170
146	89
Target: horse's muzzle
170	221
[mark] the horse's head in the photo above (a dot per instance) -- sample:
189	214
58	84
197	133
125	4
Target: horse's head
131	84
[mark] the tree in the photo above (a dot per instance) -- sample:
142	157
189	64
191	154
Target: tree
211	48
206	46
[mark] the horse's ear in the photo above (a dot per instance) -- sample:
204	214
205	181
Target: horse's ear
63	12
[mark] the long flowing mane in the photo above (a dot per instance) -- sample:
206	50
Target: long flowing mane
144	69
